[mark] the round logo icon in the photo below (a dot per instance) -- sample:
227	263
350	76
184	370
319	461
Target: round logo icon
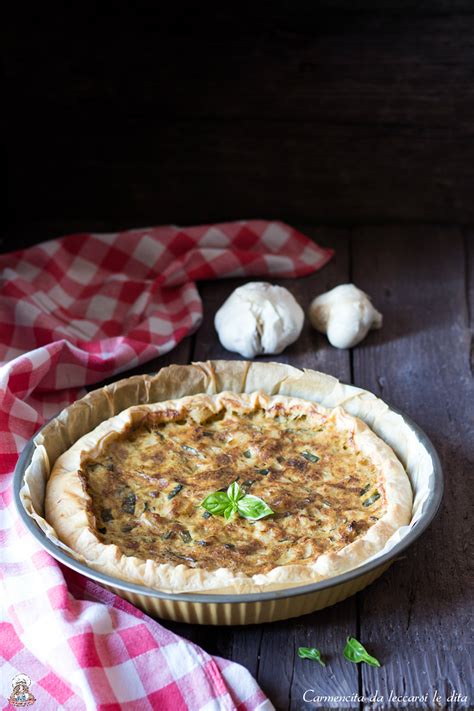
21	695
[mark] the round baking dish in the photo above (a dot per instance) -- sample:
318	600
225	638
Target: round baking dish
255	608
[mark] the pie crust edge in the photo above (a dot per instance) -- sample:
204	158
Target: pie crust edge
210	378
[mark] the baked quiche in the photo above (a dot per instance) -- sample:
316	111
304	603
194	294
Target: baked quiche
228	492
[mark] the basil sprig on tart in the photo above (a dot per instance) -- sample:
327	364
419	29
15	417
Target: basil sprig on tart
236	501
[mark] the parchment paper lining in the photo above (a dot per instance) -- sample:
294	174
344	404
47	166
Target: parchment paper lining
215	376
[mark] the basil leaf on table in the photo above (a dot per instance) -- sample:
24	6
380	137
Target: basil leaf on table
355	652
311	653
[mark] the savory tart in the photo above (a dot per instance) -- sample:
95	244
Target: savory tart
228	492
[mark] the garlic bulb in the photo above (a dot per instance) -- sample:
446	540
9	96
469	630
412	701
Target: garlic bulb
345	314
259	318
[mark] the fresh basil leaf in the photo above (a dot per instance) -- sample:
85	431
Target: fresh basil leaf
225	503
355	652
254	508
311	653
229	512
216	503
310	456
234	492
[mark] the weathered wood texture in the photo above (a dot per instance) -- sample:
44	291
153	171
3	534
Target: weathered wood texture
332	113
419	361
416	618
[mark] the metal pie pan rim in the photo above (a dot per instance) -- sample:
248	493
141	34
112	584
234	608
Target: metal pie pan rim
431	507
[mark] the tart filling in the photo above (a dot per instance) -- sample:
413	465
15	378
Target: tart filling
128	497
148	485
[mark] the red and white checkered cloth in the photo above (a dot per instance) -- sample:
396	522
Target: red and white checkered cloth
72	312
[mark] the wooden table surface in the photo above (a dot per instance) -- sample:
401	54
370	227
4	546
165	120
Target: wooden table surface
416	618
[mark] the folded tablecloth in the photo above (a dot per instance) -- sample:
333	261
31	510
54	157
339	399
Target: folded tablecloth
72	312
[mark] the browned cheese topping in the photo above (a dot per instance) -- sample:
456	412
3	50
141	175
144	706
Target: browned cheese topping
148	485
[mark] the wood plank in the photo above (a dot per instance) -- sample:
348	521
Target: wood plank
285	677
469	281
417	617
331	173
308	114
326	61
270	651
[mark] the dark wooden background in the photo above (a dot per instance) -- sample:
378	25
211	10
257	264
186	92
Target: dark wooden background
353	114
345	112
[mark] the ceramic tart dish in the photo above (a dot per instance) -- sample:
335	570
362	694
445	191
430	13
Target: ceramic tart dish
328	486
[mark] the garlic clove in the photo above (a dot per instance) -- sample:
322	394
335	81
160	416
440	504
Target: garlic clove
259	318
345	314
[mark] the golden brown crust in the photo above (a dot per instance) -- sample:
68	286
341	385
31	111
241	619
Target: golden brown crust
68	504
